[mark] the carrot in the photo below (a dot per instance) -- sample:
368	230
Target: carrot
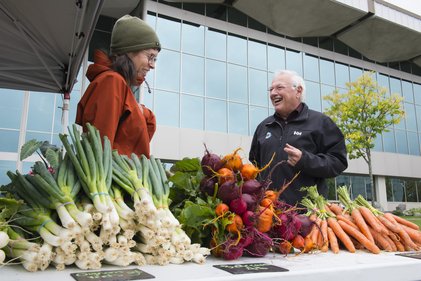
407	242
314	233
333	241
221	209
391	243
348	221
341	234
415	235
335	208
265	219
381	240
362	225
399	246
406	222
385	230
325	241
360	237
370	218
272	195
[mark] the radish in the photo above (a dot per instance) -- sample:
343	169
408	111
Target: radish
2	257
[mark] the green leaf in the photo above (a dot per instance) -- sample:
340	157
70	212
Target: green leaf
187	165
53	157
29	148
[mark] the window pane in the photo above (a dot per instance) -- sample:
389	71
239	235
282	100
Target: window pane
327	72
383	81
398	189
313	96
257	115
311	68
41	107
342	75
257	54
411	120
191	112
326	90
414	147
294	61
237	86
258	87
11	106
358	187
168	71
9	141
411	190
276	59
193	75
168	32
238	116
407	91
38	136
401	142
216	115
354	73
237	49
167	108
378	145
215	44
389	141
193	38
4	167
216	79
417	93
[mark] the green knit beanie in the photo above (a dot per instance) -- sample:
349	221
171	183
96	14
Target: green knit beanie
132	34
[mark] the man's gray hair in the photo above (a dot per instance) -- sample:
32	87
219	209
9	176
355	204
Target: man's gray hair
297	80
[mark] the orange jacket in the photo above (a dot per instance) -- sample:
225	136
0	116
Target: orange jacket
109	105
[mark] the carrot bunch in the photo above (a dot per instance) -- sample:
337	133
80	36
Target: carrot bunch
358	225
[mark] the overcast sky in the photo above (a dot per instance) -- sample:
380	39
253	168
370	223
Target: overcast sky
413	6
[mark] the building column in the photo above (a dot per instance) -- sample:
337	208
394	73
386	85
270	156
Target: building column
380	185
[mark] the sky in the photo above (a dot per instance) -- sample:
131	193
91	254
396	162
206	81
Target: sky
413	6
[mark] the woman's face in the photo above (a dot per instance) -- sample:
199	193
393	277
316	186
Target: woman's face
144	61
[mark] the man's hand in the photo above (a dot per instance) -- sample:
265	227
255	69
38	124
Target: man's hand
294	154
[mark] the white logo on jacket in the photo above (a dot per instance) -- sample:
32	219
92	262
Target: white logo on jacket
297	133
268	135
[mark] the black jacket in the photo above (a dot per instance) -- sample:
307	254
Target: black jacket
322	145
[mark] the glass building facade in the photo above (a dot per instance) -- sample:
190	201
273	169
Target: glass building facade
212	75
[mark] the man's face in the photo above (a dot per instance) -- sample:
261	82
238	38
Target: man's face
285	96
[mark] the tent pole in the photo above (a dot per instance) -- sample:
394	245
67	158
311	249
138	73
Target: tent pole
65	113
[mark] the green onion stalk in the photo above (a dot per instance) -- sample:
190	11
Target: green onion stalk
93	165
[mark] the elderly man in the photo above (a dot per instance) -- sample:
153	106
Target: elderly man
308	141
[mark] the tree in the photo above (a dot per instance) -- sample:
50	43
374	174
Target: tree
362	113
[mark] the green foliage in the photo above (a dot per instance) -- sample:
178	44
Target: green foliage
363	112
48	152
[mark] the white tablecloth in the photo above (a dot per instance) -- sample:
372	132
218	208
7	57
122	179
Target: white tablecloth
344	266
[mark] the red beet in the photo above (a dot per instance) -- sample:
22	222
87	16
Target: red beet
207	185
250	201
210	163
248	218
238	206
252	187
228	191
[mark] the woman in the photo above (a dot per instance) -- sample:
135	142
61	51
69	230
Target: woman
109	103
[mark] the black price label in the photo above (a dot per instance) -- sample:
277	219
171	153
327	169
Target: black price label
245	268
112	275
415	255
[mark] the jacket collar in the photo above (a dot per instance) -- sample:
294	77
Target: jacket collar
303	115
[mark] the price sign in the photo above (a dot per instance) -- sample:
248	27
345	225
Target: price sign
245	268
112	275
415	255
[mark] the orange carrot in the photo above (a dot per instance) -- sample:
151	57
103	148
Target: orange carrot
370	218
407	242
335	208
391	243
381	241
265	219
415	235
341	234
362	225
333	241
325	241
406	222
314	233
343	218
360	237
